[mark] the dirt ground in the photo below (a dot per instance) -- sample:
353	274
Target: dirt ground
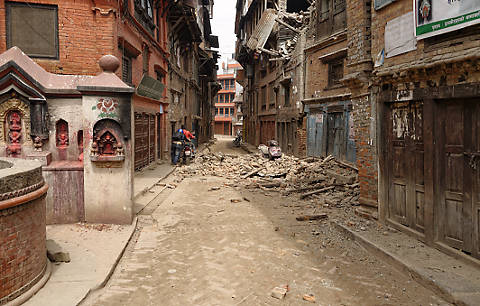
209	241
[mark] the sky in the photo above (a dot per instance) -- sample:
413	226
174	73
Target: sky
223	25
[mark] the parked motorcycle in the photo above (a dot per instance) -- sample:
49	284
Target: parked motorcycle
238	139
272	150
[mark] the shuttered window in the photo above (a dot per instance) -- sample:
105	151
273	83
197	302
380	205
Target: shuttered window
33	28
127	69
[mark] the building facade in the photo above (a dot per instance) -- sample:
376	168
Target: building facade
424	94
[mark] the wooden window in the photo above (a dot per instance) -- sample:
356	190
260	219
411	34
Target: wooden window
221	111
332	17
33	28
335	72
264	98
286	88
160	76
271	96
127	69
144	14
216	111
145	57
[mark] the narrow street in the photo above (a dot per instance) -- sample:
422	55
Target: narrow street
209	242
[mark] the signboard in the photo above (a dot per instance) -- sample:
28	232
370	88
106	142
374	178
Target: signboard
382	3
434	17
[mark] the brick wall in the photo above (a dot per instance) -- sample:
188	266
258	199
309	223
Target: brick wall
22	246
359	68
302	139
316	84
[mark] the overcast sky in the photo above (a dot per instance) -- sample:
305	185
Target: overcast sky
223	25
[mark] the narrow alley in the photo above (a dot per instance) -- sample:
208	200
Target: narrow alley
210	242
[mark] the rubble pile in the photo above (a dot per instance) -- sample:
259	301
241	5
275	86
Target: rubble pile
326	180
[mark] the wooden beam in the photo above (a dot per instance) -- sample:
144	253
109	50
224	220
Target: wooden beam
287	25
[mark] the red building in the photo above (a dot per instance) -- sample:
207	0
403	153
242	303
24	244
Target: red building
70	36
224	105
226	110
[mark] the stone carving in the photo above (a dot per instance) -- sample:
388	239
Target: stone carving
62	133
38	144
15	104
107	143
14	124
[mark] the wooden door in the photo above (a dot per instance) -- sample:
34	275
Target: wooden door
159	136
405	162
457	177
151	138
141	140
336	141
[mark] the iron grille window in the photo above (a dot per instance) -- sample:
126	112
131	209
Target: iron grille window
127	69
33	28
335	72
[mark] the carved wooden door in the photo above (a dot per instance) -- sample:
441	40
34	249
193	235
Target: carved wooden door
405	160
457	177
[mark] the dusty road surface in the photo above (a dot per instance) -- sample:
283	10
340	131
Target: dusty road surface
210	242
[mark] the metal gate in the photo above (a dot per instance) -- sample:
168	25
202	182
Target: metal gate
330	132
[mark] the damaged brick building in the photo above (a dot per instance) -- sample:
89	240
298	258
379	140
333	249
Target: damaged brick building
386	84
271	51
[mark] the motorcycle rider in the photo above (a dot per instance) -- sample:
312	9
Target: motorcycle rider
178	140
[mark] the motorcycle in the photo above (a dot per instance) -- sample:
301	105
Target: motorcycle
238	140
272	150
188	152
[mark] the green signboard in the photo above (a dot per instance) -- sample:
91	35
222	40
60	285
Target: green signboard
434	17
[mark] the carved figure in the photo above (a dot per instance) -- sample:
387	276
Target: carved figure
107	144
37	143
95	148
62	133
14	134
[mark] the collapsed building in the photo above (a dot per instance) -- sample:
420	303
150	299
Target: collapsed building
270	46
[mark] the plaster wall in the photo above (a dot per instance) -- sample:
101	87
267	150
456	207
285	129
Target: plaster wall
108	190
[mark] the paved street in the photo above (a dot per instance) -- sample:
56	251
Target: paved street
233	246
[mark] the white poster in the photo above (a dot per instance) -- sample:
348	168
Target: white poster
399	37
433	17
